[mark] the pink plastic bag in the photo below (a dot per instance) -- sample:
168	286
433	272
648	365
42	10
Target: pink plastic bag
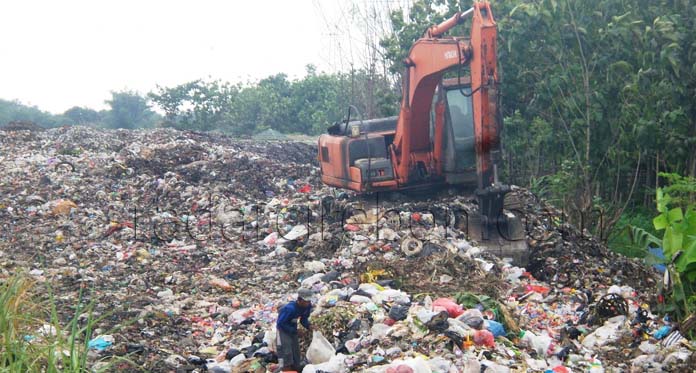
449	305
403	368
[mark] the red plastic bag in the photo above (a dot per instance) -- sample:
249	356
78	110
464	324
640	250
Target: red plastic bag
543	290
449	305
484	338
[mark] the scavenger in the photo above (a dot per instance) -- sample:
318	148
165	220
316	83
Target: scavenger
289	358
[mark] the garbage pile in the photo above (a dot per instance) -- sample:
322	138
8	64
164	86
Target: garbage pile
188	244
21	125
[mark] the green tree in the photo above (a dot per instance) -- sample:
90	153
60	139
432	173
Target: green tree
197	105
130	110
306	105
80	115
318	100
16	111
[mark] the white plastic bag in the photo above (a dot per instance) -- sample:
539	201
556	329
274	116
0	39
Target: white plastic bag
237	360
270	338
335	365
320	350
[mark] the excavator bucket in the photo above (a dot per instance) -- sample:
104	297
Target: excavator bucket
499	226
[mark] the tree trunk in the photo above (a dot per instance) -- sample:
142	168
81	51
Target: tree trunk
657	170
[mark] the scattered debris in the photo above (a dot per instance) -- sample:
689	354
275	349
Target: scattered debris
189	242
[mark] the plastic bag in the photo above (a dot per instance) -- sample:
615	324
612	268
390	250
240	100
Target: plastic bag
403	368
449	305
320	350
270	339
379	331
415	365
391	295
484	338
398	312
472	317
495	327
540	343
237	360
335	365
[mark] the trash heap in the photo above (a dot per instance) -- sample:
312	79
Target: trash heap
188	244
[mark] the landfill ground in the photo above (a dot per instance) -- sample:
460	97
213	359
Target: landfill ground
189	242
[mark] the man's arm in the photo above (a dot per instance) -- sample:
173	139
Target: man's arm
304	319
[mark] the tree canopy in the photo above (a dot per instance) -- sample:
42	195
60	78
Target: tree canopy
306	105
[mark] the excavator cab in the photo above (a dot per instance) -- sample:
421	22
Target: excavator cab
355	150
459	153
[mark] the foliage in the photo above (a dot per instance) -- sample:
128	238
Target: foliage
81	115
679	239
196	105
130	110
306	105
634	234
676	221
681	189
679	246
15	111
30	343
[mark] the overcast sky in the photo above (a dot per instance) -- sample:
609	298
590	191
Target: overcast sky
59	54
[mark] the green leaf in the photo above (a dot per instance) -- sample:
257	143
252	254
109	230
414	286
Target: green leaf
641	239
672	242
678	294
621	66
520	6
690	221
687	258
691	276
617	19
660	199
660	222
675	215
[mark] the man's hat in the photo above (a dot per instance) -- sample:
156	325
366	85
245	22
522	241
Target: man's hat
305	294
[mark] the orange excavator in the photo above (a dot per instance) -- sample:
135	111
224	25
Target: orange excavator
447	131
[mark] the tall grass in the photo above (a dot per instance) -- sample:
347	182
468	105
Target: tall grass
32	338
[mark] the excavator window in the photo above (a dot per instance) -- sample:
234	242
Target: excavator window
461	112
461	117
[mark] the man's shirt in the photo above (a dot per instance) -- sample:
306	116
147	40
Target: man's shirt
288	315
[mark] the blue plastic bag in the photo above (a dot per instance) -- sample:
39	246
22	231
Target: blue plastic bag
496	328
99	344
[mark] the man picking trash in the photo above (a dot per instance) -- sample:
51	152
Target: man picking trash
289	357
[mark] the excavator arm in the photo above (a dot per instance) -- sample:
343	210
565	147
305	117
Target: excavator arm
427	61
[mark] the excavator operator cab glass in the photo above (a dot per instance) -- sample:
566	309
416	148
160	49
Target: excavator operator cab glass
461	119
